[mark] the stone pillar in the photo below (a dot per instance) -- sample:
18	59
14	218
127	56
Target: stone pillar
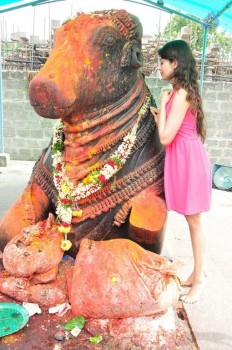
4	159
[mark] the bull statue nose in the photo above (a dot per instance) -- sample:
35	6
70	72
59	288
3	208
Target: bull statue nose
48	99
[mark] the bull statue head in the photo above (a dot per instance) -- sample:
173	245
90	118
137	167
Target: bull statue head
94	62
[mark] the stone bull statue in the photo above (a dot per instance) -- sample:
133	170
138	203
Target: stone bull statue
102	174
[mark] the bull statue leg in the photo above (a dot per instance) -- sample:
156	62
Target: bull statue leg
32	206
147	220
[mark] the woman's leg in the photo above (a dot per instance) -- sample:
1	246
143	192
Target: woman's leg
197	277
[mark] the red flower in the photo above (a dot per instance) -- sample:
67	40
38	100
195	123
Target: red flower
66	201
102	179
65	224
59	167
112	163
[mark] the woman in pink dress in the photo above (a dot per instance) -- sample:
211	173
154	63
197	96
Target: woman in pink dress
187	172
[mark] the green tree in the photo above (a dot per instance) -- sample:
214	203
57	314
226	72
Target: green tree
173	28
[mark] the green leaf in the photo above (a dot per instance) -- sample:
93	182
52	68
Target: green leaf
57	147
70	197
96	339
117	161
77	321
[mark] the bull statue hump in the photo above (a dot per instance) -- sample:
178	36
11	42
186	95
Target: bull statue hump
101	176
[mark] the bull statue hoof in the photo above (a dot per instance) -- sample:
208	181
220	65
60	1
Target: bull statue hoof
101	176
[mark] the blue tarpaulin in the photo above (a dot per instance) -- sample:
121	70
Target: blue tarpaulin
9	5
206	12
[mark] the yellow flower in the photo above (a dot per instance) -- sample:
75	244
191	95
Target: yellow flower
88	179
65	244
93	151
68	166
87	61
64	229
95	166
114	279
64	187
77	213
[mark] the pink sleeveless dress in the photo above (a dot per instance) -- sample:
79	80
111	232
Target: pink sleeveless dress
187	171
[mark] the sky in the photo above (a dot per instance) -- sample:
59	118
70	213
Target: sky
35	20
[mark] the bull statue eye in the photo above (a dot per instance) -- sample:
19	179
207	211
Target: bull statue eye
109	40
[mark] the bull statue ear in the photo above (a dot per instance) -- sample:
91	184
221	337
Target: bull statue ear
131	55
136	56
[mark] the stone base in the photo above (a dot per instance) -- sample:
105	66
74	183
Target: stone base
4	159
145	333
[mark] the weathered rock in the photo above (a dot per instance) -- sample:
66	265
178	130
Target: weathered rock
59	335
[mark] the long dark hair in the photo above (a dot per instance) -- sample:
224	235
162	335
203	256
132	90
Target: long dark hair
186	76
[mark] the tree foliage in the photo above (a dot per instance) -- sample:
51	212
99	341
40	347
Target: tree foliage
173	28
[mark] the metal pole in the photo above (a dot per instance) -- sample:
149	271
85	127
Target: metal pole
6	31
203	58
3	29
160	14
1	110
33	41
49	29
44	28
170	27
71	9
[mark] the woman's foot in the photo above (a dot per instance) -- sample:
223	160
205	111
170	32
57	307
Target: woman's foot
189	282
194	293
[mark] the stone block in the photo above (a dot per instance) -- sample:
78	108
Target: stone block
4	159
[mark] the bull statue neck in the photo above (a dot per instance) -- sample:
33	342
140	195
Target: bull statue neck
98	174
89	142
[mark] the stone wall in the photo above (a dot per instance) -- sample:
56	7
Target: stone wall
26	134
217	106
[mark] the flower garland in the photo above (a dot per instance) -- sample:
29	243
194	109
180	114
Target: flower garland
68	193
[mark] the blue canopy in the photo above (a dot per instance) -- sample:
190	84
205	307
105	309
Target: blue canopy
207	12
10	5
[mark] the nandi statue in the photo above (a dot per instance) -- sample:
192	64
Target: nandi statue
102	174
96	191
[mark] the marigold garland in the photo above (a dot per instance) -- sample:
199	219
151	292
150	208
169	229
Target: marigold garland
68	193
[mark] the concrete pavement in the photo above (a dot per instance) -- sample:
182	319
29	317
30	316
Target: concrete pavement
13	179
211	318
